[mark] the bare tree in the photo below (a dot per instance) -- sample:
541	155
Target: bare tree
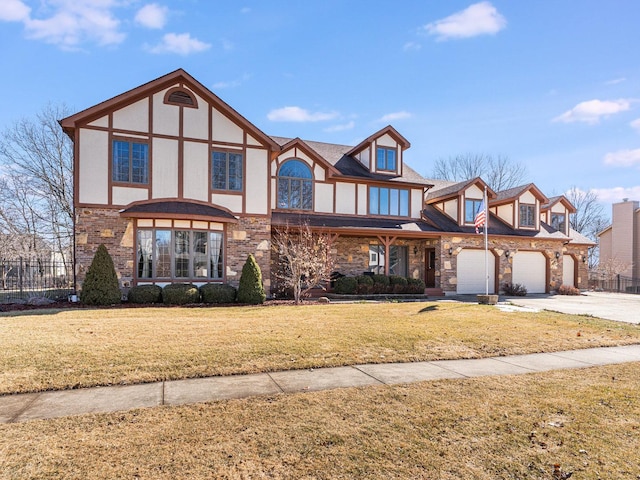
36	161
499	172
305	258
589	218
612	267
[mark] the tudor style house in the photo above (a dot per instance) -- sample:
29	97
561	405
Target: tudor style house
180	187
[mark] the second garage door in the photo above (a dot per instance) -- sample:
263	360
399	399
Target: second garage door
471	276
568	270
530	270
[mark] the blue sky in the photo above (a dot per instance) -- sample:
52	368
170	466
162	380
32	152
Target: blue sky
551	83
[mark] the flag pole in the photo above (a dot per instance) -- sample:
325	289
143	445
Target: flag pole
486	243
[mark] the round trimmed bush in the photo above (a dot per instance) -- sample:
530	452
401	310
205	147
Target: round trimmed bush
145	294
415	285
346	286
180	294
218	293
101	285
364	280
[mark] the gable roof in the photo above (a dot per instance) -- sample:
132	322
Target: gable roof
70	123
559	199
453	189
506	196
404	143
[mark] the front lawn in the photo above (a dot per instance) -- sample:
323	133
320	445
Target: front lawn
60	349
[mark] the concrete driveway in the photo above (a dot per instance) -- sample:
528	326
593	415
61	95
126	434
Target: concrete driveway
612	306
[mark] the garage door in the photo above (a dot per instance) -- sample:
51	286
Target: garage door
530	270
568	270
471	276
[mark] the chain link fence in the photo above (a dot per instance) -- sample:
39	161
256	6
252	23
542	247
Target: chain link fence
24	278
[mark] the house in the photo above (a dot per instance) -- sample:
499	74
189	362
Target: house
620	241
181	187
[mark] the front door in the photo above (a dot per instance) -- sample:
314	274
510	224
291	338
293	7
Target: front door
430	267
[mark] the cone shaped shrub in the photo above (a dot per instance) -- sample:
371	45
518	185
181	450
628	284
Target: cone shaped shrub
251	290
100	286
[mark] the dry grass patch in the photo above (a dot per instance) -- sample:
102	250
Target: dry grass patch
587	421
81	348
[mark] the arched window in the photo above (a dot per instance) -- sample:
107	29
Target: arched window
181	97
295	186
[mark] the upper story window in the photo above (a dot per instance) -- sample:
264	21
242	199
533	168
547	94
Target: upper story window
295	186
226	171
389	201
527	215
471	207
386	159
130	163
558	221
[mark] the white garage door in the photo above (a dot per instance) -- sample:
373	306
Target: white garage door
471	276
568	270
530	270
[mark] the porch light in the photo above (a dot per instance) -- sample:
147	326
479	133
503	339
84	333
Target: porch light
584	259
450	251
415	250
557	255
507	253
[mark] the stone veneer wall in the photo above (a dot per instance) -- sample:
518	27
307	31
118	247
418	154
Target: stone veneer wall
104	225
448	266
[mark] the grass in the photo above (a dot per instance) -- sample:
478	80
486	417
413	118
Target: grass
585	421
60	349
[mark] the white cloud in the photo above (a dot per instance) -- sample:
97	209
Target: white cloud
591	111
232	83
615	81
617	194
478	19
411	47
180	43
635	124
392	117
341	128
297	114
623	158
152	16
14	11
73	22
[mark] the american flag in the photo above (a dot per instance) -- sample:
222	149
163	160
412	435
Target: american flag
481	217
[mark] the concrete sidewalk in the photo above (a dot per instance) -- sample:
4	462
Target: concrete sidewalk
32	406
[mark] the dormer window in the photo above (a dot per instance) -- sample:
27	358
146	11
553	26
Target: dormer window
386	159
527	215
558	221
471	208
180	97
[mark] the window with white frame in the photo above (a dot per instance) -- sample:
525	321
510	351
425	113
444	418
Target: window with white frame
558	221
179	254
386	159
398	259
226	171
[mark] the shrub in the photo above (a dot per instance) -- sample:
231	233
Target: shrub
398	280
180	294
218	293
101	286
568	290
364	280
251	290
514	289
145	294
380	280
415	285
346	285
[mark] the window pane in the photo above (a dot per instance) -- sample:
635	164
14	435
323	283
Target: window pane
283	193
163	254
384	201
120	161
145	253
391	159
376	258
216	255
139	163
181	253
404	203
380	159
307	195
200	255
398	260
393	201
235	171
295	194
219	171
374	201
295	169
526	215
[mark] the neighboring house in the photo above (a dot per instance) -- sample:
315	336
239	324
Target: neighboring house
180	187
620	241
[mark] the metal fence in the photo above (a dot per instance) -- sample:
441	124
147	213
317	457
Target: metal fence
617	283
23	278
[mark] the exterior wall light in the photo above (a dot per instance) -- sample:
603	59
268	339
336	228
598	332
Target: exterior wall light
507	253
450	251
557	255
415	250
